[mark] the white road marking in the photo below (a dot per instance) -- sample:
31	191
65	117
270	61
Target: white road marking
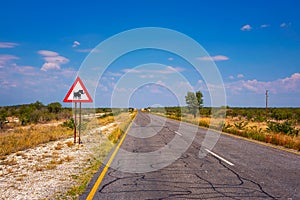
217	156
178	133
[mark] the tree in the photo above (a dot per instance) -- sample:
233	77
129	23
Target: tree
37	105
54	107
3	115
194	102
199	96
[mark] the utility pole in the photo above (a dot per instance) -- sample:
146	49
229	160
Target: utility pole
267	95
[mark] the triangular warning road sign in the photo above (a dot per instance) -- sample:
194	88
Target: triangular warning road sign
78	93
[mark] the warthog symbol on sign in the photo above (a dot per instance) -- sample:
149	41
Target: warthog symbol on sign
78	94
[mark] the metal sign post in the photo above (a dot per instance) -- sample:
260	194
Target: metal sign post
77	94
79	128
75	124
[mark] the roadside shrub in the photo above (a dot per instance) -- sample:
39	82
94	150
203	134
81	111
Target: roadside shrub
106	115
226	127
240	125
115	135
285	128
204	124
297	145
69	124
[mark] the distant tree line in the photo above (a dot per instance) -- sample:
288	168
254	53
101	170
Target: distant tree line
39	113
253	114
259	114
35	112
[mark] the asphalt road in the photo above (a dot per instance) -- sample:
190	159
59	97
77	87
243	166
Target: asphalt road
233	169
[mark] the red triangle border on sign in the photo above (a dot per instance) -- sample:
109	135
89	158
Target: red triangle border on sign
89	100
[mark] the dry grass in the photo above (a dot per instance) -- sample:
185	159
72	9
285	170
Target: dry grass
58	146
69	143
22	139
10	170
46	156
124	120
53	163
99	155
106	120
68	158
258	131
3	157
38	168
21	154
55	155
90	124
242	127
50	166
10	162
232	120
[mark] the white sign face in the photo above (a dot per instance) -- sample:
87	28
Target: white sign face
78	93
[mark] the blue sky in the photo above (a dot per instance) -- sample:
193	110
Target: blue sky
255	45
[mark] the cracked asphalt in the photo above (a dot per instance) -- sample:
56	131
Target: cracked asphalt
259	172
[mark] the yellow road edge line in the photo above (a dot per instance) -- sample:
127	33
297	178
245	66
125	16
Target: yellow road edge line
100	178
282	148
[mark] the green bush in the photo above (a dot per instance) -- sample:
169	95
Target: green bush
69	124
284	127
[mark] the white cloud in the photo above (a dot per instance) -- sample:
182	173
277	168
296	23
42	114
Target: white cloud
156	90
285	85
284	24
160	83
240	75
147	76
68	72
8	44
87	50
121	89
103	88
213	58
185	86
246	27
131	71
170	70
4	59
24	70
56	59
75	44
7	84
53	60
17	81
48	66
113	74
166	70
47	53
264	25
29	76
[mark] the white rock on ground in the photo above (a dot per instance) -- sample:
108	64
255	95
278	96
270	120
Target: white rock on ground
48	170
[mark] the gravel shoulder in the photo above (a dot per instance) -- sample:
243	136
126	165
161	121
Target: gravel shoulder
50	170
